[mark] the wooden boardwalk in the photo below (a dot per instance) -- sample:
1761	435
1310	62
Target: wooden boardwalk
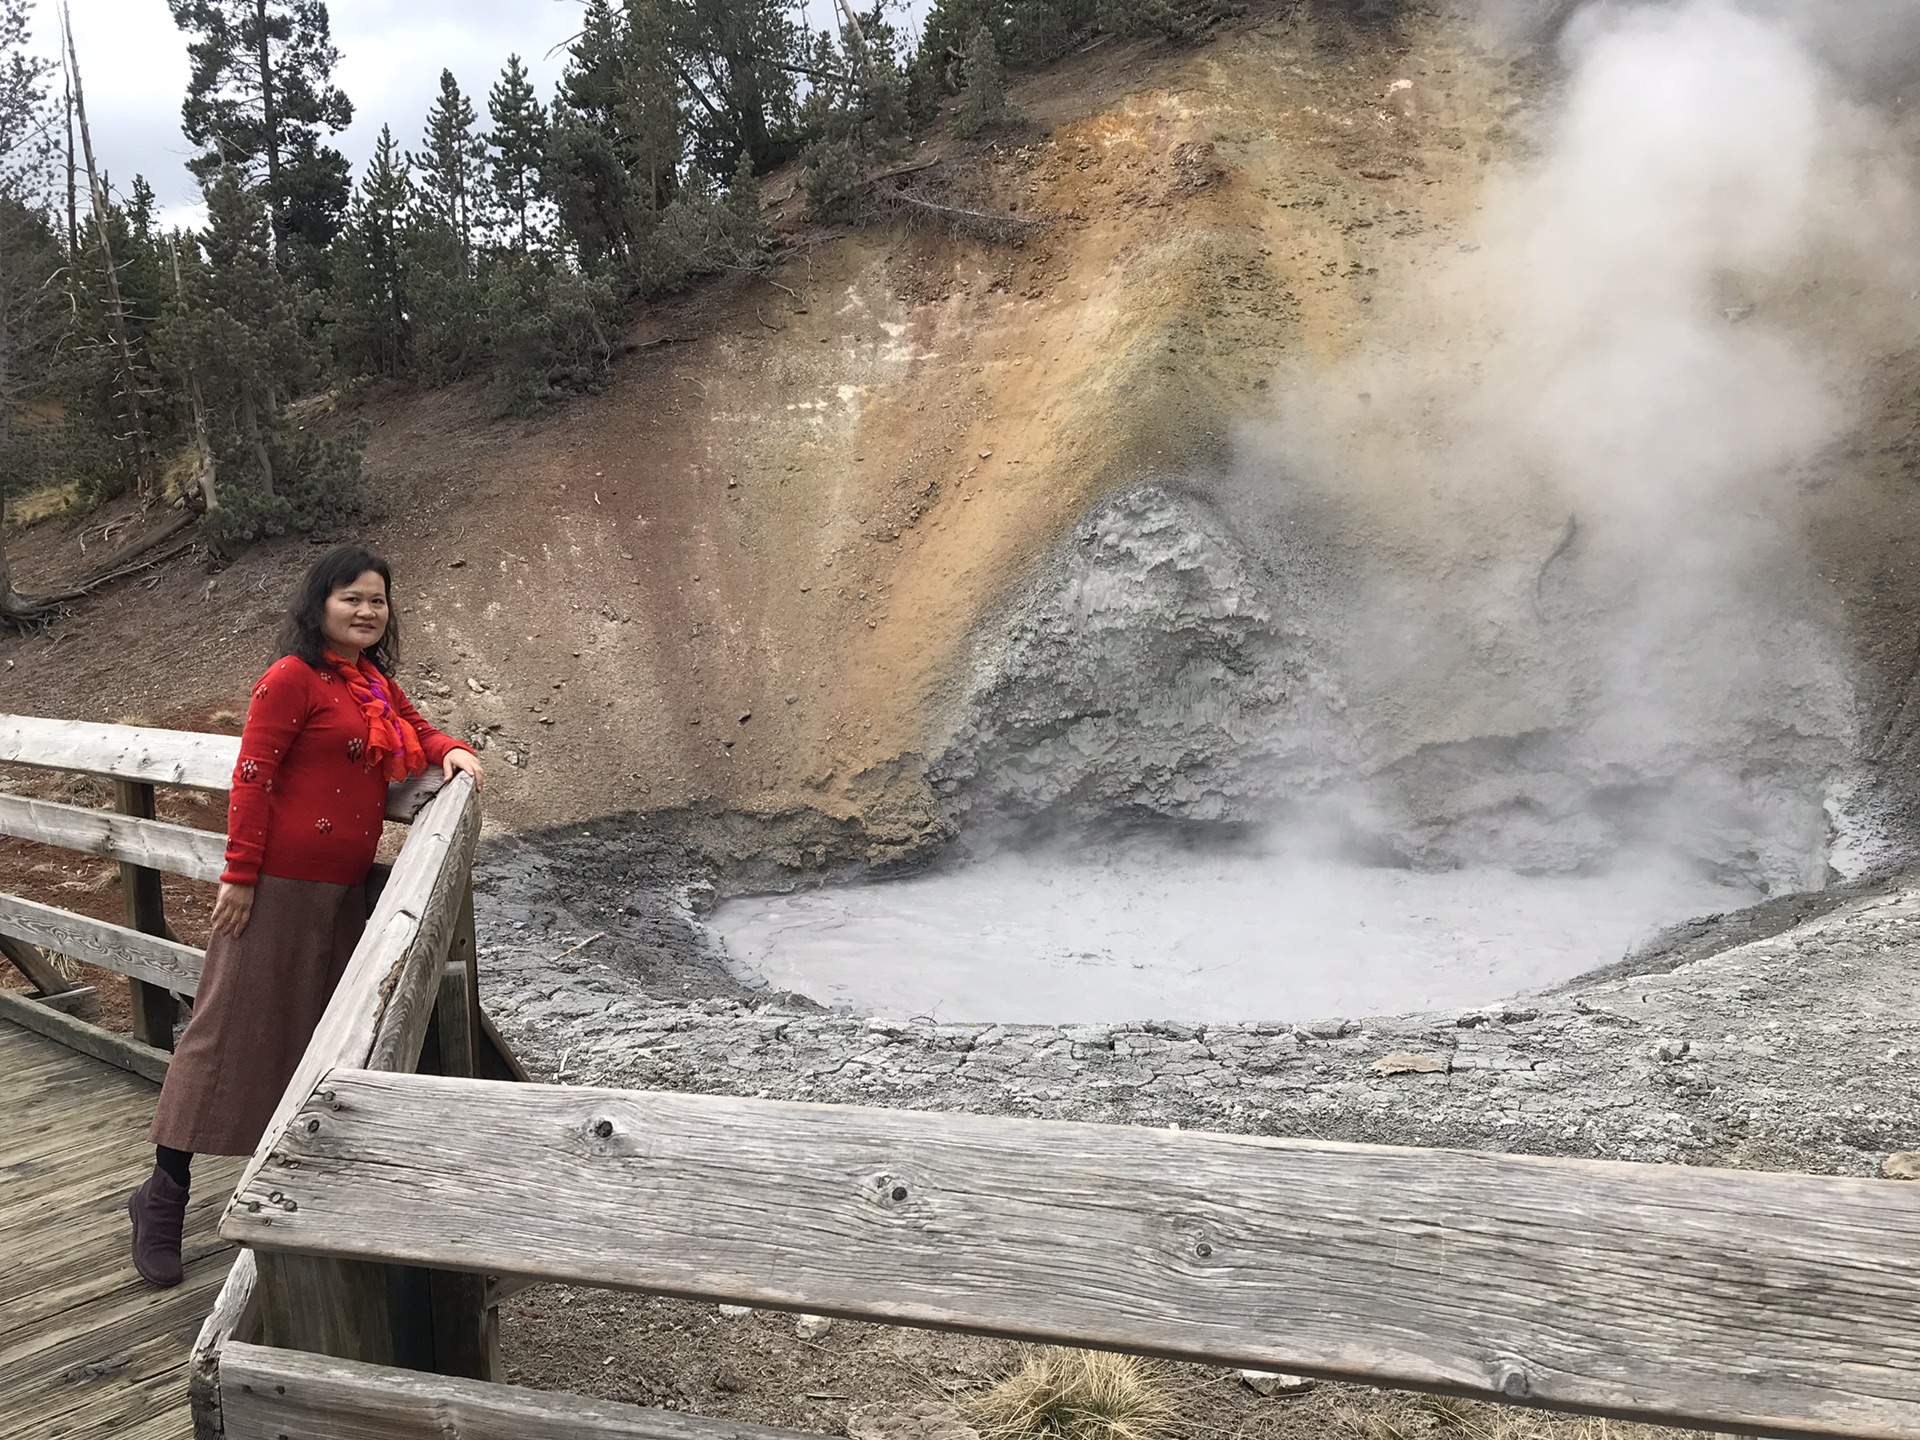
86	1349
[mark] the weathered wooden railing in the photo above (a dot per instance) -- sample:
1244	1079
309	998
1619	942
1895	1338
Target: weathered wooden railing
157	966
387	1209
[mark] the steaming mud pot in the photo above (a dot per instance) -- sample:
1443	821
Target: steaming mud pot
1210	939
1514	631
1165	683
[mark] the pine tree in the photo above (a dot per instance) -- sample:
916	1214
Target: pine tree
238	331
647	116
985	106
452	166
367	304
736	58
518	140
140	210
614	140
31	316
259	98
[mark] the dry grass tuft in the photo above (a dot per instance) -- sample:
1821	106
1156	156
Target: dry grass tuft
38	505
1076	1395
225	717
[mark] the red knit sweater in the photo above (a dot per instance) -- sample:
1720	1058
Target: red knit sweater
305	804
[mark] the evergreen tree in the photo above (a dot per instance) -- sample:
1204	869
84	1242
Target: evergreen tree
737	57
647	117
236	330
985	106
518	140
31	315
452	166
614	138
140	210
259	98
367	304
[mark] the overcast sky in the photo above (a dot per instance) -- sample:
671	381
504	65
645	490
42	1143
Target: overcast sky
134	63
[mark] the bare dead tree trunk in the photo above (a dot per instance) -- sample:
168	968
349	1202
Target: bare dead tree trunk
203	467
73	200
270	129
147	480
250	427
859	37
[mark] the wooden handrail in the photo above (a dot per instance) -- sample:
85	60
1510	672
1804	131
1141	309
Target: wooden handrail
1731	1299
276	1393
149	958
156	844
120	752
157	757
378	1006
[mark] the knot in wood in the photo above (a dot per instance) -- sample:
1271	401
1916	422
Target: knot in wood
899	1192
1203	1249
313	1127
603	1128
1513	1382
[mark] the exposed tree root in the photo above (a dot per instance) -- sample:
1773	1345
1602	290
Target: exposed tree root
19	611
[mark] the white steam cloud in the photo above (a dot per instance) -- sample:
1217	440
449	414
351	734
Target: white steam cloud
1573	506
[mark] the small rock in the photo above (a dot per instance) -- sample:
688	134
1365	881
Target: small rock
1902	1165
475	686
736	1312
812	1327
909	1420
1274	1382
986	454
1402	1062
455	564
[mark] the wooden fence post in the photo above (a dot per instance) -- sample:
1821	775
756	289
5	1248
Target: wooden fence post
155	1011
465	1328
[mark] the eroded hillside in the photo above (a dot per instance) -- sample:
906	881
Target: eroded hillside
756	577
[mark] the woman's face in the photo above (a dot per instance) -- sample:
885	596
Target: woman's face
356	615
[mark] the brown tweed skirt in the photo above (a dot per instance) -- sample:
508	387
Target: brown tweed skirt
260	998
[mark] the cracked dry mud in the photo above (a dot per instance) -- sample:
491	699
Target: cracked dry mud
1792	1051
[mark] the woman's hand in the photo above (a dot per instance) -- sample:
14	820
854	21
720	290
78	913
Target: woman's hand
463	761
232	908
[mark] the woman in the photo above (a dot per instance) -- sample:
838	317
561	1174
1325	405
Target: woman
327	731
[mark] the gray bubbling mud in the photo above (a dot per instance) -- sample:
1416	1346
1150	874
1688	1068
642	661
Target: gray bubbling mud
1163	688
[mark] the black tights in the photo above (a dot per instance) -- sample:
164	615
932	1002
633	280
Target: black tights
178	1164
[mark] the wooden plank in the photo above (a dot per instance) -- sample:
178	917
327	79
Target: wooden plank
396	954
159	757
74	998
159	962
39	970
285	1395
465	1327
129	1055
1733	1299
236	1313
378	1015
176	849
497	1060
407	798
155	1011
120	752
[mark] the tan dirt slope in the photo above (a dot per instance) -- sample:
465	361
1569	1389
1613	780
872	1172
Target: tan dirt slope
749	576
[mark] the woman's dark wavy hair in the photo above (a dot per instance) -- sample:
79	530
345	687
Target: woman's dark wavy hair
300	632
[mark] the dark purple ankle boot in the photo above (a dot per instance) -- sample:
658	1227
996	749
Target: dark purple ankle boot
159	1211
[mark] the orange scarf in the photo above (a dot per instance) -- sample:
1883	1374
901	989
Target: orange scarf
391	741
